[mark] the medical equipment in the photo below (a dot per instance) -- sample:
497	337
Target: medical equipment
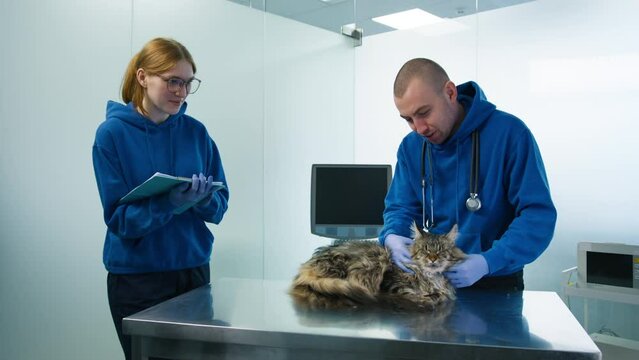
472	203
347	200
608	266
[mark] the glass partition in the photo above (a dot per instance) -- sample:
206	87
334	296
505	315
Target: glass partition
569	70
308	118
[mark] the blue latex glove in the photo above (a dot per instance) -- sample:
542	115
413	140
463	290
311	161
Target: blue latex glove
398	248
468	271
208	192
199	189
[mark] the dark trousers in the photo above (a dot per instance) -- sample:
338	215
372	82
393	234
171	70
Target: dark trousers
512	282
131	293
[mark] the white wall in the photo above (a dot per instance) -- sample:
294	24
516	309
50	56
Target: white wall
59	64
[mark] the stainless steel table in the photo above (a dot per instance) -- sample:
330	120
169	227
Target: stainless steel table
256	319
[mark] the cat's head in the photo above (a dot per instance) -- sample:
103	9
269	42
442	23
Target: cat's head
435	253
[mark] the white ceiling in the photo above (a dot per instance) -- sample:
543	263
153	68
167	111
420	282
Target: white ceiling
332	14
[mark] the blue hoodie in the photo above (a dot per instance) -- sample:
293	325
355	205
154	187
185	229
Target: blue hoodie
517	219
145	236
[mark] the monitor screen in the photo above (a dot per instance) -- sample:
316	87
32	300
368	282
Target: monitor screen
347	201
609	269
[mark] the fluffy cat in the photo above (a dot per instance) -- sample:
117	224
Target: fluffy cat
356	273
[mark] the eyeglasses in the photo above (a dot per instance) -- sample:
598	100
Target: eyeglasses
175	84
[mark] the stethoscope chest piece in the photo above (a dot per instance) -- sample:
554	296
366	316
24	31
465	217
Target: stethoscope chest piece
473	203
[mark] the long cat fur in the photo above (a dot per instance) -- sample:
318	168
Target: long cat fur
358	273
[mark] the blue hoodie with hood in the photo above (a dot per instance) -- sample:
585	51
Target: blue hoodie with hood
145	236
517	219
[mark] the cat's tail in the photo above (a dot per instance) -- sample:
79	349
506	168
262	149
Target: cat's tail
322	292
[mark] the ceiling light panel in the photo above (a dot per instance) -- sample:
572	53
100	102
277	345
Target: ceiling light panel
408	19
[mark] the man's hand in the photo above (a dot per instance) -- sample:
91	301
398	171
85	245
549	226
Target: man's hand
398	248
468	271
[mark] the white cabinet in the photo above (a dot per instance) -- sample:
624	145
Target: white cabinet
612	345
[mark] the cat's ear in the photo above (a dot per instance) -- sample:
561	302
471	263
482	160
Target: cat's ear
415	230
452	234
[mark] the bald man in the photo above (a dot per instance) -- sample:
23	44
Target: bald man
466	163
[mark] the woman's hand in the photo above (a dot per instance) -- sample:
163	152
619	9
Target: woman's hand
199	189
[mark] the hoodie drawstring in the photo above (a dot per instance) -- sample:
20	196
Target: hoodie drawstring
457	181
171	146
171	149
148	146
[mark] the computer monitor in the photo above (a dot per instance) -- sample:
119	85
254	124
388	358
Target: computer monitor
347	200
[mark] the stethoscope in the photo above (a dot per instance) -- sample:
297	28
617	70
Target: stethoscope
472	203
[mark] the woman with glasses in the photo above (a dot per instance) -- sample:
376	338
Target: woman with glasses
151	253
